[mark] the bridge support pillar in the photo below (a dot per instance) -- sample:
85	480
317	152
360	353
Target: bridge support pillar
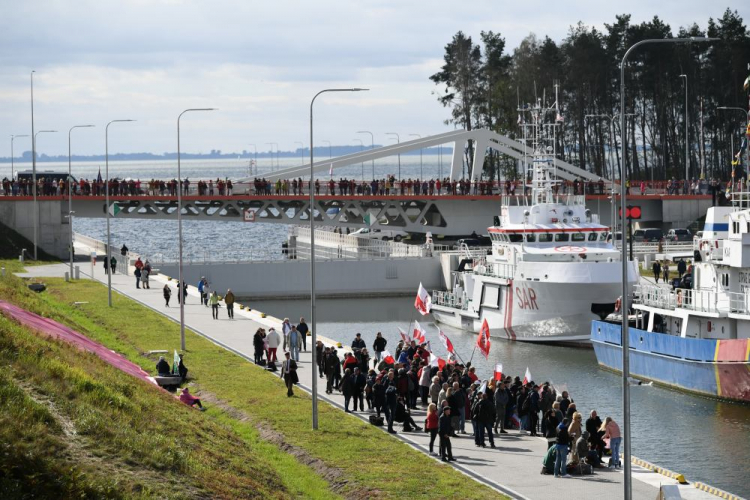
480	150
458	160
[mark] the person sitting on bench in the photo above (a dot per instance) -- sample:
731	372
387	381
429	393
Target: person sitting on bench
162	367
403	415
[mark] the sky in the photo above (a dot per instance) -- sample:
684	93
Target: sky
259	63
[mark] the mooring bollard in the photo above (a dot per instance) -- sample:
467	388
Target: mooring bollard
77	273
67	276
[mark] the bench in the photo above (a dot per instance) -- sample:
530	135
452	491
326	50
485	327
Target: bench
168	380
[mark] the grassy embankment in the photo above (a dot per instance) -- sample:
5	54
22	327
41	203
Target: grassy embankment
356	459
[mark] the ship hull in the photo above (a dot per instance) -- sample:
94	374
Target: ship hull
707	367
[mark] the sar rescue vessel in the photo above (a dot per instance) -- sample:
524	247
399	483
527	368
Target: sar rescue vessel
551	269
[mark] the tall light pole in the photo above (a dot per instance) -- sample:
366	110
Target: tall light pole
372	146
34	189
625	333
687	132
421	176
398	140
361	148
33	165
312	257
255	150
179	228
70	196
106	206
12	169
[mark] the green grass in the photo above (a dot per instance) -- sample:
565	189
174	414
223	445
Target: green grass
370	463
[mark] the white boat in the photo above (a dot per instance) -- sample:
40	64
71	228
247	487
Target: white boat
551	270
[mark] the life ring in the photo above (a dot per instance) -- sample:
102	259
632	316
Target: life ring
618	304
679	298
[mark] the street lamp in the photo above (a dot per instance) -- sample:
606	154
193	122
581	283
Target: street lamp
255	150
361	148
421	176
34	189
398	140
312	257
625	333
180	295
687	132
70	196
106	207
372	146
33	164
12	138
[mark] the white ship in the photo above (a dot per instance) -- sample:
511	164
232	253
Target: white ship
552	269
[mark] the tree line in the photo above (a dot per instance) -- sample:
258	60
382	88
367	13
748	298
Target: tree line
484	84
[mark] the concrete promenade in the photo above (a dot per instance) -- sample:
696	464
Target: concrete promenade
513	468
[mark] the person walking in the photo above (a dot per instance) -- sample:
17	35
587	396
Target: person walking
137	274
561	447
445	430
214	300
229	302
113	264
534	399
273	340
656	268
302	328
502	396
145	275
665	271
258	344
431	425
289	373
360	382
485	419
681	268
293	342
612	432
201	284
167	294
347	389
379	346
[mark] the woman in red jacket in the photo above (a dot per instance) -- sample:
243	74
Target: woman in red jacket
431	424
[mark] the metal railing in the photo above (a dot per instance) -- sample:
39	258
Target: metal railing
449	299
653	247
707	301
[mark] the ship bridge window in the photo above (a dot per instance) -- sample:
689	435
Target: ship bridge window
593	236
530	237
578	237
602	237
735	227
725	280
545	238
515	237
562	237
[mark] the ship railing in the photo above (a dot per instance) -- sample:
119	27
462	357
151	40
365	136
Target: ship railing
707	301
739	303
449	299
495	269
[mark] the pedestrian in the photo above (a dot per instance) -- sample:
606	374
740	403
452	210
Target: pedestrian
201	284
424	382
145	275
293	342
124	250
113	264
273	339
593	424
435	390
167	294
106	265
214	300
562	441
445	431
485	419
137	274
229	302
258	344
360	382
574	432
358	343
612	432
391	400
289	373
656	268
681	268
302	328
502	397
431	425
379	346
347	389
534	409
665	271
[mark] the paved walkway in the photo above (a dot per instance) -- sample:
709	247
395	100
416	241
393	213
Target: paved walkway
513	468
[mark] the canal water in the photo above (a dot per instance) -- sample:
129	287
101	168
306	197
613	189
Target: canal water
704	439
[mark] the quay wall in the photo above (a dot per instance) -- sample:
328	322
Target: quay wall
54	235
333	278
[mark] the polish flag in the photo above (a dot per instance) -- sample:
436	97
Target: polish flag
483	339
499	371
404	337
388	358
423	302
446	342
437	361
419	333
527	378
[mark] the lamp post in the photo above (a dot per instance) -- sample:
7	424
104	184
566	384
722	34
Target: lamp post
70	195
33	165
312	257
398	141
34	189
361	148
180	295
687	132
625	333
12	169
421	176
106	207
372	146
255	150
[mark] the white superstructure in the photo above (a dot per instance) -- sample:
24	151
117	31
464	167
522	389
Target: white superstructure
551	270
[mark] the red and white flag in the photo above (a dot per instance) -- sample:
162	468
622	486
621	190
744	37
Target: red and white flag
404	336
527	378
419	333
499	371
446	342
388	358
483	339
437	361
423	302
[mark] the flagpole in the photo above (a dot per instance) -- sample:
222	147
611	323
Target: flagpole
472	354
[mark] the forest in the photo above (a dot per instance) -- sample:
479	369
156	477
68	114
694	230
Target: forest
484	85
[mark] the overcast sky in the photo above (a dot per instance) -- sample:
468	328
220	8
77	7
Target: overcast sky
260	63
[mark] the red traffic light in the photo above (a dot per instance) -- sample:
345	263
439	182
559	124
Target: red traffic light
632	212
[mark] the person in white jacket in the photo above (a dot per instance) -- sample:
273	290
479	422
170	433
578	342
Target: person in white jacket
274	339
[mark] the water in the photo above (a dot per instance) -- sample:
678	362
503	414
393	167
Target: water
704	439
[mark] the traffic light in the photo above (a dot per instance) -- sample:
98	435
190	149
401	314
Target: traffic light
631	212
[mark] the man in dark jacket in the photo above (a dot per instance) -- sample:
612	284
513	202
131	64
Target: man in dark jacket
360	381
289	373
444	431
534	409
521	408
681	267
302	328
561	445
502	397
485	419
379	346
391	400
332	366
347	389
162	367
358	343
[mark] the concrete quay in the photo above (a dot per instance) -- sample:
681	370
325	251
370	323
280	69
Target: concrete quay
513	468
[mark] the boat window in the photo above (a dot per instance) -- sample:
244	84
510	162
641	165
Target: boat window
545	238
593	236
530	237
562	237
578	237
603	237
515	237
